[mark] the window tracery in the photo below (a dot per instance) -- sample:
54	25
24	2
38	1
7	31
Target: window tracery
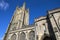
22	36
13	37
32	35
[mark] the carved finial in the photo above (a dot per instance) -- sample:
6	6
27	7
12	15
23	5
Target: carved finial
17	7
24	5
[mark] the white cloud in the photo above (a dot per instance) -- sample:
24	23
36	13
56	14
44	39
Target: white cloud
4	5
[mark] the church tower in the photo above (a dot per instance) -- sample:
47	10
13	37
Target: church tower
20	17
19	20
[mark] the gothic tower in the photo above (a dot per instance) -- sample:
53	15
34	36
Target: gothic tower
21	17
19	20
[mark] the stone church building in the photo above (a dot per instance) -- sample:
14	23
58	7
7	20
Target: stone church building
44	28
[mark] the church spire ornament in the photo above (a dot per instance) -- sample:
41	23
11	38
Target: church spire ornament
24	4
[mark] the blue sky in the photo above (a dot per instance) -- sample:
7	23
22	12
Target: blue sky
37	8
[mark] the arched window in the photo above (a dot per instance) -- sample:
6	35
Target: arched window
22	36
32	35
13	37
14	28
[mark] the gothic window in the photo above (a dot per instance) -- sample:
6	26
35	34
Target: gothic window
36	37
14	28
32	35
22	36
55	29
13	37
44	27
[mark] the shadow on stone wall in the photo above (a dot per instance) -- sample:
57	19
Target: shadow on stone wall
50	29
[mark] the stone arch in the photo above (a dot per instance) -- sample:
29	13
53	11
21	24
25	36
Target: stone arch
31	35
46	37
22	36
13	37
